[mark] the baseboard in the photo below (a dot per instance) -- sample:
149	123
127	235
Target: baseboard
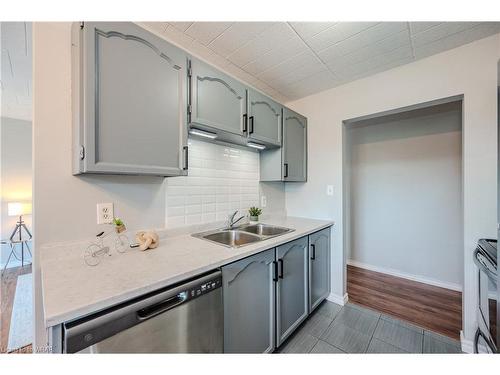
404	275
339	300
467	345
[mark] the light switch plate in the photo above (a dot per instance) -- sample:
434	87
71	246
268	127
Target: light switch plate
105	214
329	190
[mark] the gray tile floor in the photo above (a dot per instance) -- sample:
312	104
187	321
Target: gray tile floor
354	329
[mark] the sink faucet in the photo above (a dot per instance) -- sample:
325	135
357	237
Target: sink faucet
231	221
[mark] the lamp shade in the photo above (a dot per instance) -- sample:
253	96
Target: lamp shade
18	209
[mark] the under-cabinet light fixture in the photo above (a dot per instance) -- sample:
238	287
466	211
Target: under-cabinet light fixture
256	145
203	133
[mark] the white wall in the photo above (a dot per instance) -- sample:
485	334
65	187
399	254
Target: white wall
65	205
470	70
406	194
15	178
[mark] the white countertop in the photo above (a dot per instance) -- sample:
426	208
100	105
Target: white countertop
71	289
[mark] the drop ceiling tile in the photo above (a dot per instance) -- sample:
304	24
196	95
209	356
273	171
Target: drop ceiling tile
239	73
381	47
480	31
402	53
366	38
202	51
275	94
308	29
337	33
182	26
237	35
312	84
177	36
276	56
272	37
296	75
206	32
418	27
440	31
381	68
306	58
155	27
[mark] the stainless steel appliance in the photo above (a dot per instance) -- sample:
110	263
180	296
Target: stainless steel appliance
185	318
485	257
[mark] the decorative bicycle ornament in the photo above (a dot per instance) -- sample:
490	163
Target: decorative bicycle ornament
101	247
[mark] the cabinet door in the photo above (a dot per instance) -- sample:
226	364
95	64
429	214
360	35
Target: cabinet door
294	146
249	302
132	86
319	267
217	101
264	118
292	286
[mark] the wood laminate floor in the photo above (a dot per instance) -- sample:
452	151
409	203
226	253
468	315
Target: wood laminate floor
7	293
433	308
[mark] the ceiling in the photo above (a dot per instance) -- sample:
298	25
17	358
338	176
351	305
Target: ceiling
290	60
16	70
286	60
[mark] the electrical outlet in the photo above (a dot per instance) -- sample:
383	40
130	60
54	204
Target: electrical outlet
329	190
263	201
105	213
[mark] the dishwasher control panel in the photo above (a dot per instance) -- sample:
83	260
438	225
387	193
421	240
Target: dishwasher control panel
206	287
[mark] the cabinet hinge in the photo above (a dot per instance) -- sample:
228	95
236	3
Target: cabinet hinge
189	109
82	152
189	69
81	25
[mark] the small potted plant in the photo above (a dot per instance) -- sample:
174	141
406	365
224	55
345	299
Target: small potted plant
119	225
254	213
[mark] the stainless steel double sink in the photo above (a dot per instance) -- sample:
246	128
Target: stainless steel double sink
243	234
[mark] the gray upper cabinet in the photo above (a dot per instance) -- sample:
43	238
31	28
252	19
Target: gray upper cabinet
129	101
264	119
294	146
217	101
289	163
319	267
248	289
292	287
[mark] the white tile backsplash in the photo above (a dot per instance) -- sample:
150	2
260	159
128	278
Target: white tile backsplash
221	179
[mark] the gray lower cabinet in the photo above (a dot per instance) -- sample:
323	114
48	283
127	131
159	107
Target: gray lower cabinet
292	287
294	146
264	119
216	100
129	101
249	301
319	267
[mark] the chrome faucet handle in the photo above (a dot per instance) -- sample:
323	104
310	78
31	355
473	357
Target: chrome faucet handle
231	217
231	220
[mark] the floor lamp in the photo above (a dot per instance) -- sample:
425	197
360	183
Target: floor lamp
20	209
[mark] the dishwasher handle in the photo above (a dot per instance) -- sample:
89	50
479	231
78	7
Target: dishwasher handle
161	307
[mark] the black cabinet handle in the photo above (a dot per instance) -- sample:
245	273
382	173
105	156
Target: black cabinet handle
275	271
245	123
186	155
280	261
250	119
286	170
313	254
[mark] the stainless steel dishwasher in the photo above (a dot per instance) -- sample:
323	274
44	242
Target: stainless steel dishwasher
186	318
